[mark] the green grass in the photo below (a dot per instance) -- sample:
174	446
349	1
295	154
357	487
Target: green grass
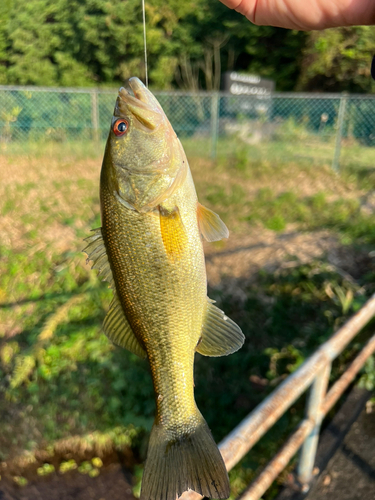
60	376
296	145
311	213
56	150
310	151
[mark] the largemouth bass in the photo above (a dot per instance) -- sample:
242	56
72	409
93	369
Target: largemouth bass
149	249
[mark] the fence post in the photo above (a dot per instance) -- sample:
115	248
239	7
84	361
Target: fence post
314	412
340	127
215	100
95	115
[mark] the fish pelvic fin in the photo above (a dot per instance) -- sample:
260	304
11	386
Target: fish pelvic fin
177	463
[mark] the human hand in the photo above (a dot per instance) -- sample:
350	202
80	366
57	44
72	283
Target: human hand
306	14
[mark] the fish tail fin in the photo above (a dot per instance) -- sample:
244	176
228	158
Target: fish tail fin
176	463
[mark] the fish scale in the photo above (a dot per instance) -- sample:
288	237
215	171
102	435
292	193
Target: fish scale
159	298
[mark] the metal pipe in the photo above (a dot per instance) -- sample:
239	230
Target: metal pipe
95	116
278	463
343	382
340	127
256	424
204	93
313	412
215	104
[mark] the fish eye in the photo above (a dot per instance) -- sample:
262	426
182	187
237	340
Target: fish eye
120	127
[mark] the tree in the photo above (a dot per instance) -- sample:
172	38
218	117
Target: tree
5	8
100	42
339	59
90	42
222	39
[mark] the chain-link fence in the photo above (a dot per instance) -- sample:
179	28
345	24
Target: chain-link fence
334	129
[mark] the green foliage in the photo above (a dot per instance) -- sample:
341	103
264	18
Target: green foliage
137	474
87	468
97	462
62	367
67	466
84	43
45	470
219	195
20	480
339	59
368	378
74	43
343	215
5	8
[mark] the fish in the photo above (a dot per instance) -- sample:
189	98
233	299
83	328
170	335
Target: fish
149	248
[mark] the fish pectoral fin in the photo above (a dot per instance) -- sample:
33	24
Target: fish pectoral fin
172	232
97	253
220	335
117	329
210	224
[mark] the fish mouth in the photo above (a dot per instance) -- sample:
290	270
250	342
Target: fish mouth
142	105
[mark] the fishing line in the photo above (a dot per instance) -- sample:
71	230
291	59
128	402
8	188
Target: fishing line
144	39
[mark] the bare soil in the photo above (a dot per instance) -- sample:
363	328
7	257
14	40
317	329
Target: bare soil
114	483
350	474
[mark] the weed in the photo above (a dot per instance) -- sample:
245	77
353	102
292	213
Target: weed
45	470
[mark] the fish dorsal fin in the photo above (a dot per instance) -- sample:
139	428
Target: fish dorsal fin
97	253
172	232
210	224
117	329
220	335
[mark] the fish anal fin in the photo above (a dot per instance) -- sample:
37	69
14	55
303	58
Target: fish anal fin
117	329
97	253
220	335
210	224
172	232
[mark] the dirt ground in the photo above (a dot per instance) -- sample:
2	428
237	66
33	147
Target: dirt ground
114	483
243	256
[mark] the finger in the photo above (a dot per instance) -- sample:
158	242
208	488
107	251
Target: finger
245	7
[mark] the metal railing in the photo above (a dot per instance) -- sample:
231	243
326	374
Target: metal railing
313	374
333	129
